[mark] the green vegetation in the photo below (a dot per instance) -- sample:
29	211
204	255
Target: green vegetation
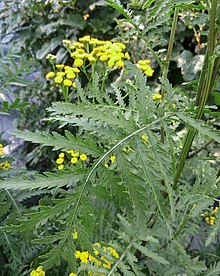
122	161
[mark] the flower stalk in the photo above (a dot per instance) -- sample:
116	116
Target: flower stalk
204	88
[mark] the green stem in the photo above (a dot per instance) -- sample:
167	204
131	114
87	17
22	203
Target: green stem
184	223
205	86
104	78
65	93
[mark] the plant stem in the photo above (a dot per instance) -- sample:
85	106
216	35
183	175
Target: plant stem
191	155
104	78
205	86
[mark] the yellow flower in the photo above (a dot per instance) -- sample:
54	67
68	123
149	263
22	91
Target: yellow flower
107	265
127	56
149	72
127	149
60	66
5	165
50	56
40	268
34	273
157	97
61	155
77	254
59	161
215	210
70	75
76	154
66	41
75	235
144	62
111	63
93	41
212	220
70	152
83	157
2	152
91	58
67	82
84	257
74	160
120	63
74	84
86	38
38	272
60	74
50	75
77	44
106	166
81	56
60	167
115	254
76	70
86	16
144	137
72	274
58	79
103	57
112	158
68	68
78	62
96	252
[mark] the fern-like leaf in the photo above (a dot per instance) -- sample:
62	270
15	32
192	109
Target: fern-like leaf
200	127
116	4
42	181
58	141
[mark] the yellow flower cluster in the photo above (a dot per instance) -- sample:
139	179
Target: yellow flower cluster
144	137
145	67
93	49
157	97
5	165
99	261
127	149
111	161
211	218
38	272
73	156
2	152
65	75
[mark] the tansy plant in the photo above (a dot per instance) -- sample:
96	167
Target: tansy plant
135	173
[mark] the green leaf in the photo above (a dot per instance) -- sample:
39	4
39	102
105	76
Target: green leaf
153	178
217	97
163	160
147	4
58	141
200	126
42	181
148	253
37	219
135	186
116	4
